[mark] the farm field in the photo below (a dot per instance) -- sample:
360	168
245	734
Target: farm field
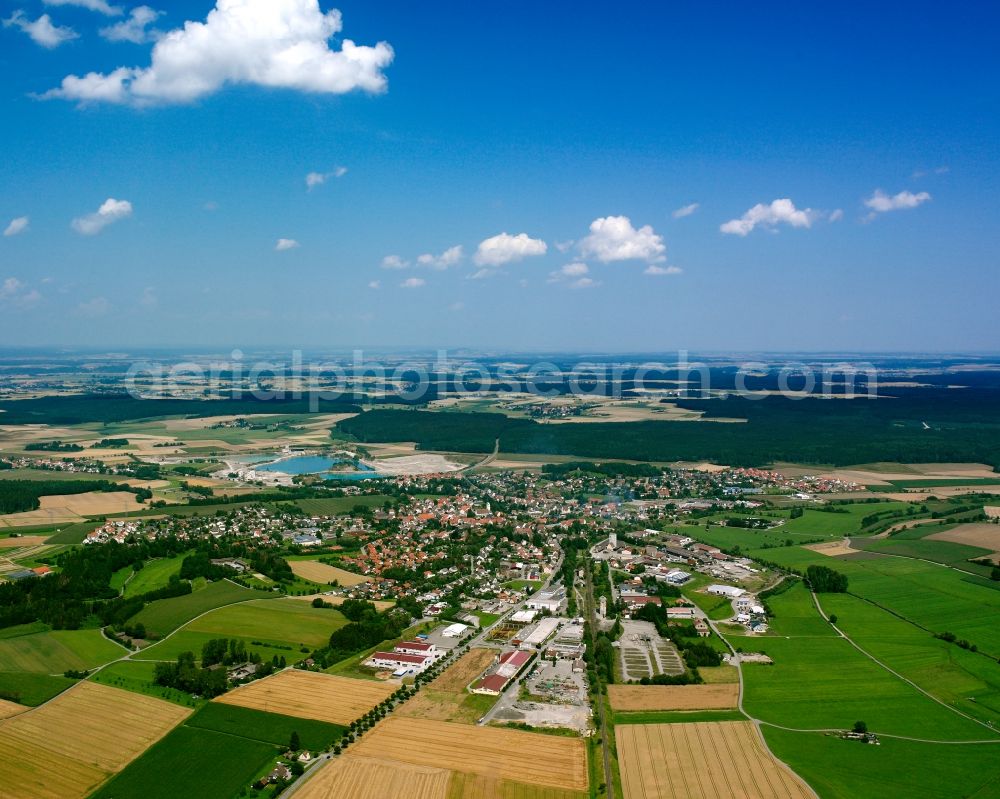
705	760
110	728
353	777
556	761
804	691
336	505
281	627
137	676
793	613
324	574
982	535
56	651
964	679
477	786
72	508
203	762
8	709
273	728
165	615
839	769
936	598
673	697
31	689
153	575
445	698
310	695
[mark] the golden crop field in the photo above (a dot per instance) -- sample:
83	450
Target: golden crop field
553	761
324	573
976	534
353	777
464	670
8	709
478	786
70	745
673	697
310	695
704	760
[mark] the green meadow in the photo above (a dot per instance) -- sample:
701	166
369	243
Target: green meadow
153	575
165	615
56	651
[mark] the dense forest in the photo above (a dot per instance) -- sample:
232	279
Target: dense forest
914	428
123	407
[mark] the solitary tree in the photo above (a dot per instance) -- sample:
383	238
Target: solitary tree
293	742
860	727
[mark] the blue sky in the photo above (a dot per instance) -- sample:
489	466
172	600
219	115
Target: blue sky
845	170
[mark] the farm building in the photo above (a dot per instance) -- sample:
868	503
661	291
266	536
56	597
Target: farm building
536	634
726	590
454	630
504	669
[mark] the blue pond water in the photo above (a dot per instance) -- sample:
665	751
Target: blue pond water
320	464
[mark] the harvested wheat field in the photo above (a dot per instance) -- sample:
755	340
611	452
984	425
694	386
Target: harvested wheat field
554	761
8	709
464	670
478	786
310	695
980	534
67	747
353	777
323	573
673	697
705	760
93	503
831	549
23	541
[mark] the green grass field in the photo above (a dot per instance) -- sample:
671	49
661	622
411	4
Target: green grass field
31	689
73	534
165	615
272	728
794	614
56	651
336	505
191	762
153	575
137	676
966	680
839	769
283	626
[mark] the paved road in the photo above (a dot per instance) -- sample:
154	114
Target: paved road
601	716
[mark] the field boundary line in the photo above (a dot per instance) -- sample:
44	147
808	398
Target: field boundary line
896	673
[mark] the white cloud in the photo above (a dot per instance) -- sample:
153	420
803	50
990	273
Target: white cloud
314	179
686	210
612	238
940	170
15	293
836	216
41	31
98	306
279	44
134	29
101	6
149	298
770	216
574	275
505	248
449	257
880	202
394	262
482	274
653	269
16	226
286	244
10	287
111	210
375	284
413	283
456	307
